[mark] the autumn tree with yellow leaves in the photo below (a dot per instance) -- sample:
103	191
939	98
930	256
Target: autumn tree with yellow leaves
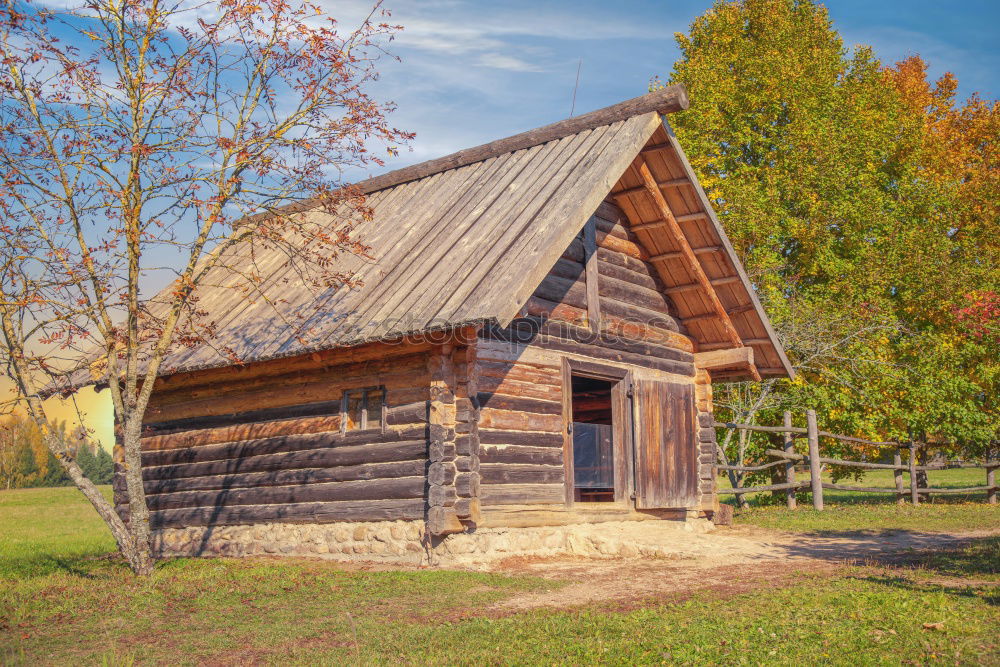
862	199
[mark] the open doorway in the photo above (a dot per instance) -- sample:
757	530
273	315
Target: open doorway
593	440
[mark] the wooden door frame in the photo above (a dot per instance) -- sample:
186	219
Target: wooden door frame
621	411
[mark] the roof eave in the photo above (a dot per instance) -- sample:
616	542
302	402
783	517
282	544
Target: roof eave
731	255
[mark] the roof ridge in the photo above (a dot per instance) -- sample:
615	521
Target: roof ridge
664	101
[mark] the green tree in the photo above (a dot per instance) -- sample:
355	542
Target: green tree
26	461
27	471
95	462
826	174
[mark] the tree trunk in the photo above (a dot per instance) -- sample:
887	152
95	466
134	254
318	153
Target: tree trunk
734	479
140	556
136	553
104	509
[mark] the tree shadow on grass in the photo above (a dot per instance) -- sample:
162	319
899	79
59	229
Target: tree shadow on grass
971	590
957	569
979	556
89	566
943	554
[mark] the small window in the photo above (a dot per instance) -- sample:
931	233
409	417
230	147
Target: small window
362	409
374	408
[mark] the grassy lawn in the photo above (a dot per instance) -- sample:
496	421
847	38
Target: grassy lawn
48	530
62	602
850	510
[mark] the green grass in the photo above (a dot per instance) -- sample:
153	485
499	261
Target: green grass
60	603
47	530
854	511
839	518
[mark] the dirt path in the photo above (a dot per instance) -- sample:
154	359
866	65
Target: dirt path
735	560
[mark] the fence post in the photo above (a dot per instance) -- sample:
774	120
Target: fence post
814	468
914	496
897	474
991	477
790	465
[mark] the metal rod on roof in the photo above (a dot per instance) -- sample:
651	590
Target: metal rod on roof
572	107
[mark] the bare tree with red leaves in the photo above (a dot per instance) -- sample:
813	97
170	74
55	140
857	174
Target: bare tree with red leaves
142	134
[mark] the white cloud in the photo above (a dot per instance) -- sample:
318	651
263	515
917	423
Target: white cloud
491	32
500	61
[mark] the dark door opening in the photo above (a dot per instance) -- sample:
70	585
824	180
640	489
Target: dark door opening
593	441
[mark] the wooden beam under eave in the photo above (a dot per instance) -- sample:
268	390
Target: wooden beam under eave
688	256
680	289
730	357
704	317
705	250
736	374
711	316
654	224
666	146
717	362
671	183
745	308
718	345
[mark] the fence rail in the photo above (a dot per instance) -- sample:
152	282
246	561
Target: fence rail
788	458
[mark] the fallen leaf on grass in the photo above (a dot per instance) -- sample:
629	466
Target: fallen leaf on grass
934	626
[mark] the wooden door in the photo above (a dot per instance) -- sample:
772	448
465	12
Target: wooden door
666	449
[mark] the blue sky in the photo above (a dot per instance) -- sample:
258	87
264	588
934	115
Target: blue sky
474	71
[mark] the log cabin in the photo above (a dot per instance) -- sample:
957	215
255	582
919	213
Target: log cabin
532	343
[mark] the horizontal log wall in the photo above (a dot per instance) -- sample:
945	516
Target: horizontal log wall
520	384
520	426
404	374
269	446
629	286
563	338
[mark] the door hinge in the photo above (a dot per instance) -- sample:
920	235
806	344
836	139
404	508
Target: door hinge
630	392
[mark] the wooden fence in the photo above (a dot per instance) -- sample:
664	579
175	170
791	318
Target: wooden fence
788	458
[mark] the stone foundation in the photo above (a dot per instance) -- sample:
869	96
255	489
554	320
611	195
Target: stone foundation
388	541
406	542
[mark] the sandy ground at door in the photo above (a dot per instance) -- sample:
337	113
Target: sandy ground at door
736	559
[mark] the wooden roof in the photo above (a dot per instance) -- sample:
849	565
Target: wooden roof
459	247
466	239
669	211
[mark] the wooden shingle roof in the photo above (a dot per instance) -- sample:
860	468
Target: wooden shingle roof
465	239
458	247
